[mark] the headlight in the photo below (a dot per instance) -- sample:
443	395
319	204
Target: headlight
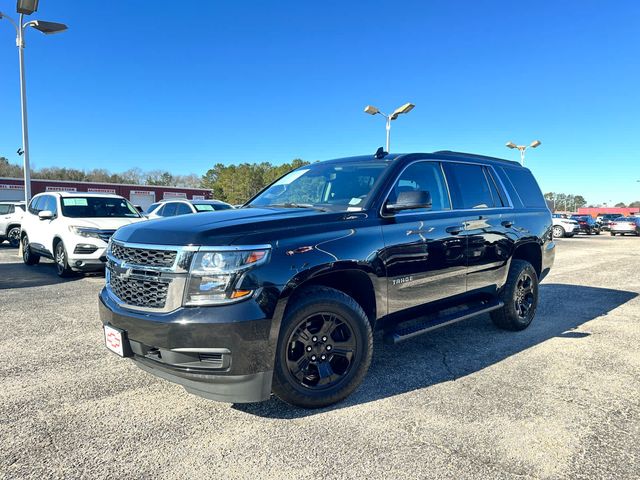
87	232
215	273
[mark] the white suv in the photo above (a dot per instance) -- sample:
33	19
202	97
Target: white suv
73	229
10	218
564	227
172	208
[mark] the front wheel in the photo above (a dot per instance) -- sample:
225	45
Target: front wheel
324	349
520	297
558	232
28	257
62	263
13	235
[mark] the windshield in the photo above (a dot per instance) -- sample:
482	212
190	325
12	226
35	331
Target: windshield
331	186
97	207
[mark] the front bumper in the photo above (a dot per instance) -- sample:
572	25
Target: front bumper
222	353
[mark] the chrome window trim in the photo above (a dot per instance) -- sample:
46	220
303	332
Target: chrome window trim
451	209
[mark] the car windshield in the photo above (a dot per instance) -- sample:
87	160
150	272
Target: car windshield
332	186
210	207
97	207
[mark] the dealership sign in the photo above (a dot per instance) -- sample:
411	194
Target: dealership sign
61	189
11	187
101	190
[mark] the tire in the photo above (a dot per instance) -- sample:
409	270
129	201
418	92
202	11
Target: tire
321	322
28	257
613	234
60	258
558	232
597	232
520	291
13	236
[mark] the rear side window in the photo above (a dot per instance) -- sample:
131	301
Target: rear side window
469	186
5	209
526	187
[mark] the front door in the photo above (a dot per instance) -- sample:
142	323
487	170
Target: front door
424	252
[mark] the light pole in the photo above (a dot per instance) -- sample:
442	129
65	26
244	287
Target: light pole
27	7
522	148
406	108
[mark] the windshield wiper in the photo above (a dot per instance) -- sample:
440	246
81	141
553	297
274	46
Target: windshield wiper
296	205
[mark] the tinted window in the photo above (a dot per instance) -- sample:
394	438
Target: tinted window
469	186
169	210
97	207
210	207
36	203
423	176
4	209
498	195
183	209
526	186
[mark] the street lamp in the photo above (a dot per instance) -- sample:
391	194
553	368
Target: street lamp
406	108
522	148
27	7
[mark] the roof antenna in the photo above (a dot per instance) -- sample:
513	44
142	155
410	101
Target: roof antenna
380	153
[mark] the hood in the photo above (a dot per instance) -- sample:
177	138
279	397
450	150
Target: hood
103	223
224	227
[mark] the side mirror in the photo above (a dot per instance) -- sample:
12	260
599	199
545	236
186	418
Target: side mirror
410	201
45	215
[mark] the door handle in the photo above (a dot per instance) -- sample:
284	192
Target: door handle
507	223
454	229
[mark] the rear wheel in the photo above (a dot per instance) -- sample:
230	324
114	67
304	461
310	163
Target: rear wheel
324	349
13	235
613	234
60	257
520	297
558	231
28	257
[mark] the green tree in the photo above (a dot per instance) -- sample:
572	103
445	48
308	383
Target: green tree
635	204
620	205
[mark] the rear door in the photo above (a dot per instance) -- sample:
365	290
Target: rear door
424	249
488	226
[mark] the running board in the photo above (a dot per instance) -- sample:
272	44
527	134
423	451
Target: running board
401	333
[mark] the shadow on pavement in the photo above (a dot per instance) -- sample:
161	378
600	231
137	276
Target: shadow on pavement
19	275
464	348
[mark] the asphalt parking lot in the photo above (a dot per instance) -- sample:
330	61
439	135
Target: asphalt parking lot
558	400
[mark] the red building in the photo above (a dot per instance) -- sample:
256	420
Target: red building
143	195
595	211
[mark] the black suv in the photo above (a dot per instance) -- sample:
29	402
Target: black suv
283	294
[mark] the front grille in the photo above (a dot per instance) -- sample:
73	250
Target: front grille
138	292
144	256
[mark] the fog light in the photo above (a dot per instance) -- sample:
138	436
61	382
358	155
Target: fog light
78	263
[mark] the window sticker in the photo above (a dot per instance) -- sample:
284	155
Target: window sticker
355	201
75	202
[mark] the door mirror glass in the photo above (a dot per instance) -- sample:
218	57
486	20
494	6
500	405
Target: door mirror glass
45	215
411	200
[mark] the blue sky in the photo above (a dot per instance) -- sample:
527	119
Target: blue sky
160	85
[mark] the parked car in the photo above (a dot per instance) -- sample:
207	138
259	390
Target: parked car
172	208
73	229
564	227
605	220
10	219
587	224
283	294
622	225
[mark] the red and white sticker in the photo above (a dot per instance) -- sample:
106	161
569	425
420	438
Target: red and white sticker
113	340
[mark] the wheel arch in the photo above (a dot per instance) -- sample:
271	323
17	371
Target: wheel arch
531	251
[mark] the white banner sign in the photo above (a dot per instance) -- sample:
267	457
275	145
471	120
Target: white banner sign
101	190
141	192
11	187
61	189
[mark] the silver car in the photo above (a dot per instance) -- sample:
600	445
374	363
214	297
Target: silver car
623	225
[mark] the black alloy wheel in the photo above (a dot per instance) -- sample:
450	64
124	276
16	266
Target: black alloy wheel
524	295
324	348
321	351
520	297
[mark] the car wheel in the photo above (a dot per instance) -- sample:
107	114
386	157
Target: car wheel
612	234
520	297
14	237
28	257
324	350
558	232
60	257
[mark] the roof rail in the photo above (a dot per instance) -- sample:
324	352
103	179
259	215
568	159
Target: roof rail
475	155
